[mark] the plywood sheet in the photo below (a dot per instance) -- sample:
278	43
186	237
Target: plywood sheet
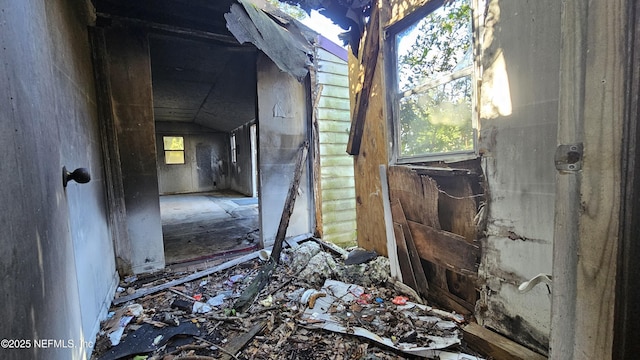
373	153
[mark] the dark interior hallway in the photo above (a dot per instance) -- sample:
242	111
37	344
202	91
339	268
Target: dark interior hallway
209	225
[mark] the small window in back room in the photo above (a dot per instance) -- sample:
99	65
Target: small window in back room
233	148
173	149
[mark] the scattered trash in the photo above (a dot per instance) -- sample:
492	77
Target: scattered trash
116	335
264	255
234	279
430	345
148	338
267	302
218	300
312	288
360	256
310	296
301	255
400	300
134	309
200	308
319	268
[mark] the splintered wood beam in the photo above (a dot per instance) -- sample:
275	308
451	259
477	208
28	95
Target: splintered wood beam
392	252
496	346
422	286
249	294
237	343
289	202
444	248
403	257
370	62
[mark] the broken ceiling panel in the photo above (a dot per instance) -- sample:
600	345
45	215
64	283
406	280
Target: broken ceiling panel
290	52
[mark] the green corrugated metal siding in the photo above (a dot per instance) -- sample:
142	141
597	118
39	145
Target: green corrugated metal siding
336	180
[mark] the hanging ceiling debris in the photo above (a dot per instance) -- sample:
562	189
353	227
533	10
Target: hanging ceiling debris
351	15
286	43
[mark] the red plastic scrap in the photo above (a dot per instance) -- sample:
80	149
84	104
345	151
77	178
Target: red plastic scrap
364	299
400	300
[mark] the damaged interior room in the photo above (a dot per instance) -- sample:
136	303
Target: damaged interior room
200	179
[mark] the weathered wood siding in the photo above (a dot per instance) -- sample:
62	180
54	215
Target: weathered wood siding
336	180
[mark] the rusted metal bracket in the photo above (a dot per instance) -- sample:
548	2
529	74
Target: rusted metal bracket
569	157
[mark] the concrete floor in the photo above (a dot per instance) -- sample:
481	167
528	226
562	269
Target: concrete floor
205	226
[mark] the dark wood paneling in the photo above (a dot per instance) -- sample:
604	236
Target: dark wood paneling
446	249
417	194
422	286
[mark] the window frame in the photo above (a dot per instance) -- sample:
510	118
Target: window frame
395	95
233	148
165	150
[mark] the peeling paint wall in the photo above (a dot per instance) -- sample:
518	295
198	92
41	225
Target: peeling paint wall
519	110
58	270
206	166
283	126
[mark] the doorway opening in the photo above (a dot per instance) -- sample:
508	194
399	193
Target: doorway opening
204	100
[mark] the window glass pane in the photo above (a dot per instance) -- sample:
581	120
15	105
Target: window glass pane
233	148
438	44
173	142
174	157
437	120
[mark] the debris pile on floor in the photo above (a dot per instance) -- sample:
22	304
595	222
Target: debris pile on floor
313	306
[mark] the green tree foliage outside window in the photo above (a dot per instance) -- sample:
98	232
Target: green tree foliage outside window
434	83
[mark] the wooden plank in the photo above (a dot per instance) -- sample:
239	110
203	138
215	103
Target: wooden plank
422	285
446	249
316	156
417	194
496	346
236	343
462	286
249	294
289	202
627	306
392	253
458	207
449	301
403	257
373	153
195	276
370	62
591	110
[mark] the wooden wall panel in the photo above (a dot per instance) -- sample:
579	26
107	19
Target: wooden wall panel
373	153
417	194
457	207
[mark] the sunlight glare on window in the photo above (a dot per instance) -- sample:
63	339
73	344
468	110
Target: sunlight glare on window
173	149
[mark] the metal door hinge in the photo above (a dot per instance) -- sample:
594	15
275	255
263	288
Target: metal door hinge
569	157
